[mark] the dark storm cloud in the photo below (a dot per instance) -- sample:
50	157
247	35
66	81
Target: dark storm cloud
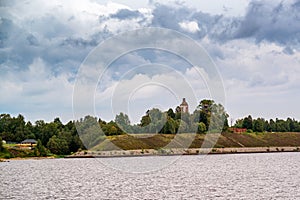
52	39
213	26
270	21
168	17
21	44
124	14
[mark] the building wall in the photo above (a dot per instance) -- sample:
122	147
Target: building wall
184	109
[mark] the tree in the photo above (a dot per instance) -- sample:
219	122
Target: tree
186	118
247	122
76	144
169	127
272	125
204	109
123	122
122	119
181	126
153	121
171	113
58	123
201	128
258	125
1	145
212	115
40	150
281	125
218	118
205	105
58	145
113	130
145	121
178	113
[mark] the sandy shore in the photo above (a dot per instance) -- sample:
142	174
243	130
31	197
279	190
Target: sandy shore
194	151
26	158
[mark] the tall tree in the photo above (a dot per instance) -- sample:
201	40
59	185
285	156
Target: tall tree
248	123
206	105
258	125
123	122
272	126
169	127
212	115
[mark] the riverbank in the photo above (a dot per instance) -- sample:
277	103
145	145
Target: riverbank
26	158
171	144
172	141
178	151
166	152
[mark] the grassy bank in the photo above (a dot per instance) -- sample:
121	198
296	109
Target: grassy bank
157	141
162	142
11	151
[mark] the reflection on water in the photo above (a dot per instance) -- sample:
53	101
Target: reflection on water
240	176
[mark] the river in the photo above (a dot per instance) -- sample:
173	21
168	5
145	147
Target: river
234	176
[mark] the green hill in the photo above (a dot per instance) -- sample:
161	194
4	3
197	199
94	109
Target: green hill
157	141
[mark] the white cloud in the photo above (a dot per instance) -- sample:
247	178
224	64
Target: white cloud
164	89
259	79
37	93
189	26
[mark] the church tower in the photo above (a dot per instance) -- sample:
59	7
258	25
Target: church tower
184	106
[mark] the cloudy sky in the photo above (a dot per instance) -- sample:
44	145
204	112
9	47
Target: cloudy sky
44	44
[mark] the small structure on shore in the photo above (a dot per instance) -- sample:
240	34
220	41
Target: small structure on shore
27	144
237	130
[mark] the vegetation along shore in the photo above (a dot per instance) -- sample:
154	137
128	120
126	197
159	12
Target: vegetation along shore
158	132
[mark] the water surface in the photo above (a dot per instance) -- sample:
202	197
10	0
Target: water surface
235	176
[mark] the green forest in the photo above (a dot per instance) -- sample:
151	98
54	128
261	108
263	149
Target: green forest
261	125
62	139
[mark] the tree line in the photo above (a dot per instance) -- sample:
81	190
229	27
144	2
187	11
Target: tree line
57	137
61	138
207	116
262	125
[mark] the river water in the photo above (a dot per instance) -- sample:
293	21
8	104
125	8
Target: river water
235	176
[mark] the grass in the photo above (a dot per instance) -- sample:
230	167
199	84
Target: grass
9	145
165	141
5	154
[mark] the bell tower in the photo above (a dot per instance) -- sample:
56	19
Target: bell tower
184	106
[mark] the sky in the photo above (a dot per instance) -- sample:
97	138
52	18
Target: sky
45	47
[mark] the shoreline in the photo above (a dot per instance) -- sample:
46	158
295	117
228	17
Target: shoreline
25	158
166	152
177	151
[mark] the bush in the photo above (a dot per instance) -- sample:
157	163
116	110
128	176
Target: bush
201	128
5	154
40	150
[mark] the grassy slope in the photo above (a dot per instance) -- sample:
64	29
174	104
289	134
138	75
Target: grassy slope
142	141
10	152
